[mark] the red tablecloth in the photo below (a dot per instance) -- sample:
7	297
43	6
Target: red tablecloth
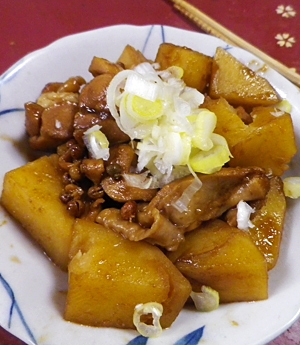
27	25
271	25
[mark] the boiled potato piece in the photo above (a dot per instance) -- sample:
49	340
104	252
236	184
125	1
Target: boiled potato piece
225	259
238	84
267	142
100	66
270	146
196	66
131	57
268	222
229	124
109	276
31	195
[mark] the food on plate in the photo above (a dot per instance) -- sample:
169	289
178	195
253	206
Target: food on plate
224	258
196	66
52	116
238	84
131	57
162	183
254	143
291	187
109	276
268	221
30	194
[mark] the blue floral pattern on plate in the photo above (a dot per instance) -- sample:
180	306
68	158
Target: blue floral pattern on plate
192	338
14	307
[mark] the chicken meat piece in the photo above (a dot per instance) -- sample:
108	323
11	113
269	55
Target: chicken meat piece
162	232
219	192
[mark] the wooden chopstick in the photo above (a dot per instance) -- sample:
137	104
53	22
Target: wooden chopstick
212	27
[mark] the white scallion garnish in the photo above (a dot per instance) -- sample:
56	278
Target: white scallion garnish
285	106
156	310
162	113
291	187
139	86
182	203
96	143
244	212
206	300
281	108
142	180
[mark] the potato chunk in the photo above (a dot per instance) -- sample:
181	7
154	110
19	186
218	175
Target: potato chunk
267	142
31	195
131	57
238	84
100	66
196	66
225	259
268	222
109	276
270	146
229	124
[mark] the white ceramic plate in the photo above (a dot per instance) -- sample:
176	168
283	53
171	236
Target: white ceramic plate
32	290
